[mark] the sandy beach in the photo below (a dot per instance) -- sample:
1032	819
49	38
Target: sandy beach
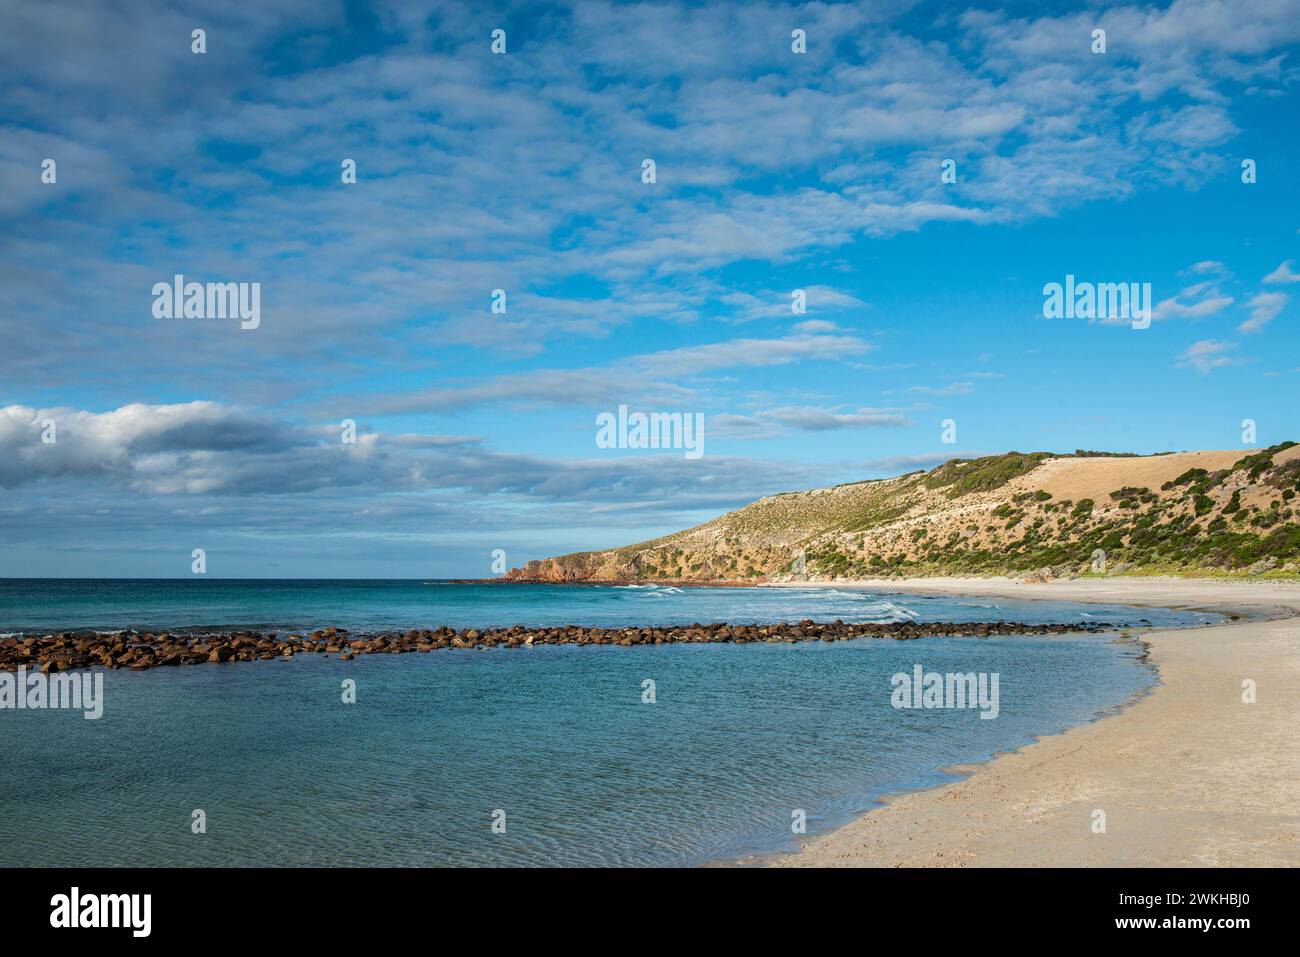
1188	775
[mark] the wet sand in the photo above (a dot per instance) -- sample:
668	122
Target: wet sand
1188	775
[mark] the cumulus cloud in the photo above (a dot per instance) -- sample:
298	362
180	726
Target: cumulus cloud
193	447
115	443
206	449
263	493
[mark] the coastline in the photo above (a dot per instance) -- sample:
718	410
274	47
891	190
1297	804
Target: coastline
1187	775
1007	808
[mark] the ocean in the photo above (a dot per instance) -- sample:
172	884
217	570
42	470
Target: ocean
534	756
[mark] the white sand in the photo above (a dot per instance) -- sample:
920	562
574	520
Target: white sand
1187	776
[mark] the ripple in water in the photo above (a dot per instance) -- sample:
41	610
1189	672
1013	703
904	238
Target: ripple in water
557	737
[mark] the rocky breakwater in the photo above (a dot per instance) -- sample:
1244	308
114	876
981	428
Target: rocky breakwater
137	651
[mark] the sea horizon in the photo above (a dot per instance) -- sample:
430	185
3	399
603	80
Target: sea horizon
198	604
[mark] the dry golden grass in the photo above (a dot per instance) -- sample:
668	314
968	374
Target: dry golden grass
1095	478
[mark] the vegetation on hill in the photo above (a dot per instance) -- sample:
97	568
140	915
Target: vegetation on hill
993	515
961	476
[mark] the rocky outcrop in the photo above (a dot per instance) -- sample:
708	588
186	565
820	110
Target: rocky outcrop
135	651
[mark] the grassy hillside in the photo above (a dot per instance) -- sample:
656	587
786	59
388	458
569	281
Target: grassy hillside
1219	513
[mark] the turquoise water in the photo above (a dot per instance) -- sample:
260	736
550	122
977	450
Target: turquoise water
557	737
199	603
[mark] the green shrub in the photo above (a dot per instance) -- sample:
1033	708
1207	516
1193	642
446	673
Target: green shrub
1259	462
961	476
1190	475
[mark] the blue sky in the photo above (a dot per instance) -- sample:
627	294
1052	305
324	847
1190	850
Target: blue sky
775	171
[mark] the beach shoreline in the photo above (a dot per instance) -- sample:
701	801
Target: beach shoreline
999	812
1188	774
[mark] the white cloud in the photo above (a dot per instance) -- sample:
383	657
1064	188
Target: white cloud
521	172
815	325
954	388
535	149
814	419
1206	298
1283	274
1264	308
1206	267
1206	355
222	454
739	353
